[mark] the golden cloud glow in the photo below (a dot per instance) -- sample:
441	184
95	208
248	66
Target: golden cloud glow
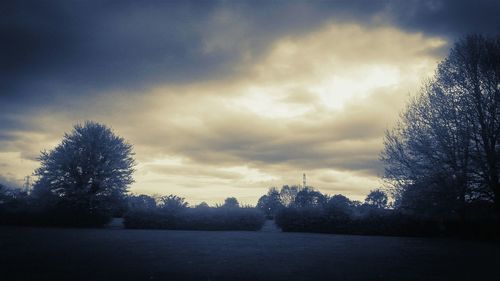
316	103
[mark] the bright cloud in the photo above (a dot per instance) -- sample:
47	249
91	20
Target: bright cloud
316	103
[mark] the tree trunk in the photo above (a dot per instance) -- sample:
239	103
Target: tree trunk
497	204
494	183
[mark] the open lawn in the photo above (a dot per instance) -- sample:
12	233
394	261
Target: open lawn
118	254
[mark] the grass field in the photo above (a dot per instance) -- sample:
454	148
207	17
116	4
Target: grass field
117	254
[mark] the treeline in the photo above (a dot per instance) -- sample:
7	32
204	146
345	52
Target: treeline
83	182
18	207
293	208
308	210
172	212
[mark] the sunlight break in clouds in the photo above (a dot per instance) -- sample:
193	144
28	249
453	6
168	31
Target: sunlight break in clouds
317	103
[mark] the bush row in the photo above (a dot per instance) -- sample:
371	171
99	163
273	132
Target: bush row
55	216
380	222
196	219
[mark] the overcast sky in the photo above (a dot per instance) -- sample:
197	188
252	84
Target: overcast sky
224	98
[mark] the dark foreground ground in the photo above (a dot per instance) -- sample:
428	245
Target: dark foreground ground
118	254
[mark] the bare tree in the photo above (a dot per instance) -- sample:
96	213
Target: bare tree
473	71
448	135
430	146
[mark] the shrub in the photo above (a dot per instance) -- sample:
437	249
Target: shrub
172	204
370	220
204	218
231	202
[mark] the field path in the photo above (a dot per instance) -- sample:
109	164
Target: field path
116	223
270	226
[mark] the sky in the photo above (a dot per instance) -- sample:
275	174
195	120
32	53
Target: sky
224	98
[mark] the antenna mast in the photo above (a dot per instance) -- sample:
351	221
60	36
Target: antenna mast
27	184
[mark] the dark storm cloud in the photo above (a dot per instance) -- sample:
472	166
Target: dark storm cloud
58	52
450	18
71	48
55	54
58	49
78	47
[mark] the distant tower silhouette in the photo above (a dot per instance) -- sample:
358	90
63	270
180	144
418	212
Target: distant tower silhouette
27	183
304	180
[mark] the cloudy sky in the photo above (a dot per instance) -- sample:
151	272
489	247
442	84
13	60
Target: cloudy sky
223	98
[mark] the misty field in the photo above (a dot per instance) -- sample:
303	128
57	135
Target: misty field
103	254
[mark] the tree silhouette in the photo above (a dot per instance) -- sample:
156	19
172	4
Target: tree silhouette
377	198
308	197
202	205
141	202
447	143
231	202
473	70
339	201
270	203
88	172
172	203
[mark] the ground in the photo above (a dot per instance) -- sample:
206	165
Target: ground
118	254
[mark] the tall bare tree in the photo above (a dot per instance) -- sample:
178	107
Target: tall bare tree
448	136
472	70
